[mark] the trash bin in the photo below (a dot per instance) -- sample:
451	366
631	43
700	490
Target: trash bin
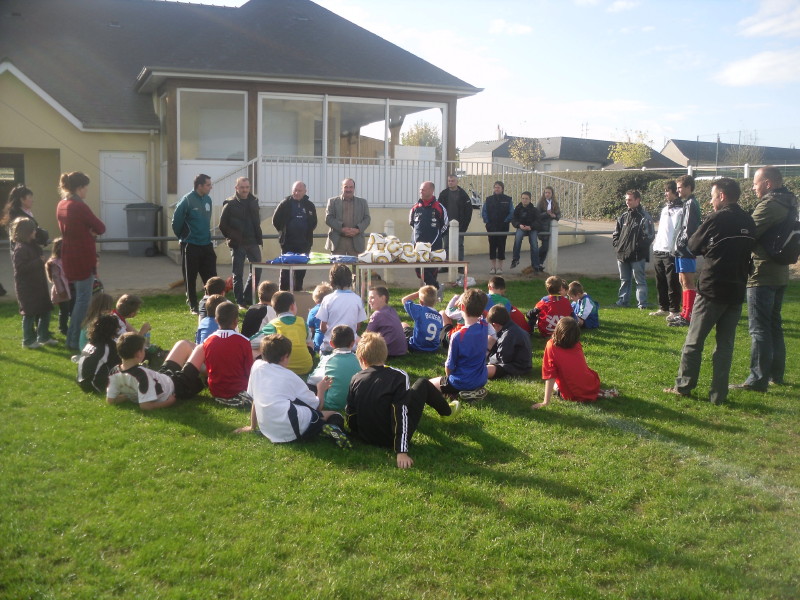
142	222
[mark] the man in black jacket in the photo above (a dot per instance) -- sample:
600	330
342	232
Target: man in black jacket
459	208
240	223
295	218
725	239
632	238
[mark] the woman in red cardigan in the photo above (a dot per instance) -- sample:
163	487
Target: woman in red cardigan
79	227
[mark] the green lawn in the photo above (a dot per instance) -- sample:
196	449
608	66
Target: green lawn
643	496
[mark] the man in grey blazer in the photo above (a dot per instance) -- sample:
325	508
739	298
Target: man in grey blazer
348	218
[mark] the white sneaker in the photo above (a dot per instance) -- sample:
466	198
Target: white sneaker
659	313
32	346
499	271
455	408
492	271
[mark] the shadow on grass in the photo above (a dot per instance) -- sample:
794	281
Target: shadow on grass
67	373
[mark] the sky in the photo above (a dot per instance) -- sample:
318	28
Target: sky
606	69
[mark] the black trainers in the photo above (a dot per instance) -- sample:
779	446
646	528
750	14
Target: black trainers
338	436
514	263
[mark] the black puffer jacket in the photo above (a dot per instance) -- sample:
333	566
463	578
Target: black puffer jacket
240	221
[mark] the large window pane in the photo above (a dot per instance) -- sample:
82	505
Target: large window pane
291	127
415	132
212	125
356	129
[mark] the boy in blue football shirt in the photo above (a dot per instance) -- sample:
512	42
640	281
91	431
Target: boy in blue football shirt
586	310
425	335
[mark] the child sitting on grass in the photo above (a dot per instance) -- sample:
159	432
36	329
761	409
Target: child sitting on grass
284	409
342	307
339	366
214	286
228	359
585	310
465	368
177	379
288	324
208	324
99	355
511	354
100	304
262	313
322	290
384	320
381	409
564	368
550	309
497	293
425	335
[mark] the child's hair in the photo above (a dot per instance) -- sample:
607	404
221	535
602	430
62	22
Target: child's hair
21	229
498	315
342	337
567	333
322	290
69	183
381	291
56	252
671	186
274	347
575	289
227	314
212	303
214	285
428	295
474	301
553	285
340	276
497	283
127	305
282	302
128	344
100	304
372	349
266	290
14	204
103	329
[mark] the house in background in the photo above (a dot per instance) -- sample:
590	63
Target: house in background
710	154
143	95
558	154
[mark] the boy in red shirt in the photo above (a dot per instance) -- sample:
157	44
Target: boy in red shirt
550	309
228	359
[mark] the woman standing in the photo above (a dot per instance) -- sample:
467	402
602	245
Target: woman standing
79	227
20	204
550	210
497	212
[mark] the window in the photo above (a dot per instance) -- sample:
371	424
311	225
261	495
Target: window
212	125
415	131
356	128
291	126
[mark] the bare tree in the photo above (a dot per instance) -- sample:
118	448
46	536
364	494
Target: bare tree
745	152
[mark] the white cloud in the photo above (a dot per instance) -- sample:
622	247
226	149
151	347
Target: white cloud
501	26
620	5
774	18
763	68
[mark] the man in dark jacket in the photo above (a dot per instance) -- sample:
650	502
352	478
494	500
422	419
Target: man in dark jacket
240	223
428	220
295	218
767	284
458	206
725	239
632	238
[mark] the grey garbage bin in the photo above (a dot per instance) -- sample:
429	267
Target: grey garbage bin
142	222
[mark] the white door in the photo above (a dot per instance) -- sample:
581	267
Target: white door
122	182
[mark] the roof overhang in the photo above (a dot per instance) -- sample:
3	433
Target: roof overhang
151	78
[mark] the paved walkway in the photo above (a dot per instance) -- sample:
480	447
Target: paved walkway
121	273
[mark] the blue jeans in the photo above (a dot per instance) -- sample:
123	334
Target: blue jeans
83	295
632	270
253	254
767	348
533	240
707	315
35	328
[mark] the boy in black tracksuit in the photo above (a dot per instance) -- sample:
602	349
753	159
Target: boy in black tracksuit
511	354
381	408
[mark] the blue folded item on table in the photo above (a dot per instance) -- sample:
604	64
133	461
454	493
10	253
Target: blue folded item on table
343	258
290	258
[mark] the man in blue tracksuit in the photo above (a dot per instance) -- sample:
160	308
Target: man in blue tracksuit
428	220
192	224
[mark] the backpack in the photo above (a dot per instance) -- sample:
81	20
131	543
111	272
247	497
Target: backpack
782	240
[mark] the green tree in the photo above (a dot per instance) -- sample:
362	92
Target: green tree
633	152
423	134
526	151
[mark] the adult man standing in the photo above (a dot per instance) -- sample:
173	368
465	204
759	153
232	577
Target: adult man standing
726	239
295	218
685	262
192	224
632	237
428	220
667	282
347	215
458	206
767	284
240	223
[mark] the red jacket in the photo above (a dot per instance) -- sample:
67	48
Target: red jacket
78	227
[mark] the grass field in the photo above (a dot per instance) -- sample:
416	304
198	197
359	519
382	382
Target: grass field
642	496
